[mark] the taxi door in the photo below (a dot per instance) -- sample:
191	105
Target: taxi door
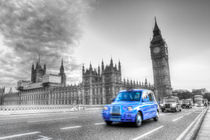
146	106
153	105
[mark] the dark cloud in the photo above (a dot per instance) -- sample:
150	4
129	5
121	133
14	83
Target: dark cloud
48	28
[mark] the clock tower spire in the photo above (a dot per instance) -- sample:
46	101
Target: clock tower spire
160	64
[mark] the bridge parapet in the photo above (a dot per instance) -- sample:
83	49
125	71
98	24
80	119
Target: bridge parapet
24	109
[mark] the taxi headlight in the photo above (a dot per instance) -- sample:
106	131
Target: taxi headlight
130	108
105	108
173	105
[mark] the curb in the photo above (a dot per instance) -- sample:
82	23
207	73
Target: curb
193	132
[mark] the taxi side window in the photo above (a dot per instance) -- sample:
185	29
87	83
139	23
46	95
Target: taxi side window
151	97
145	97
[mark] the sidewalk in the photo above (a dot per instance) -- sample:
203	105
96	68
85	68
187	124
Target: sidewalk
204	132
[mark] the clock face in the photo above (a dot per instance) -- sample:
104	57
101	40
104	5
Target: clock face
156	50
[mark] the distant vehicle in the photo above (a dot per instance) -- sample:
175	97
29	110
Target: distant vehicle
205	101
171	103
187	103
198	100
133	106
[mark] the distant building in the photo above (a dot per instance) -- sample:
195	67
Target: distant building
40	79
201	91
161	72
2	91
98	86
102	84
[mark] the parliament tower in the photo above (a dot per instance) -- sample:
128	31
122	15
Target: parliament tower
159	55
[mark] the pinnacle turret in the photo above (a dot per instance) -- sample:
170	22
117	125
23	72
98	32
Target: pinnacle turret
156	30
119	66
90	68
61	67
45	68
102	65
111	62
62	74
83	69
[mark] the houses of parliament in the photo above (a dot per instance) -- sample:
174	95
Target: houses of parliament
99	85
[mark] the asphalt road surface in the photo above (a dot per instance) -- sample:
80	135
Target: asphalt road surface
89	125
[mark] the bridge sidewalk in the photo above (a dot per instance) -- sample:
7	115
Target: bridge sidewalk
204	132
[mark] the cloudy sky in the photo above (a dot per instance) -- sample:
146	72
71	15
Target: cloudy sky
101	29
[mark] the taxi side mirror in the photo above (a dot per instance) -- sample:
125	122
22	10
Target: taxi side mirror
113	99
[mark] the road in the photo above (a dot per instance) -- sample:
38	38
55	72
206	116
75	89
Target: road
88	125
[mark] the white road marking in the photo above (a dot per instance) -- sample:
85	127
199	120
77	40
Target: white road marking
186	130
19	118
44	138
101	123
177	118
148	133
35	121
19	135
25	115
70	127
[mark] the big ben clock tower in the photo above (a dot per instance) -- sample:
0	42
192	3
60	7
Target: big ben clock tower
159	55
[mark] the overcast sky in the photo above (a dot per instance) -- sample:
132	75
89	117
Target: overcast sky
122	29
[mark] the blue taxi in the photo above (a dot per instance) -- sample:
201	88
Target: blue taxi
133	106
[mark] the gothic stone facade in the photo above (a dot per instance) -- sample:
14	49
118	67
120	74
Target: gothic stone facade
159	55
38	72
97	87
102	84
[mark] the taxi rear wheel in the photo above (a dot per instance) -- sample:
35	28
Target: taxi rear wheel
138	121
157	116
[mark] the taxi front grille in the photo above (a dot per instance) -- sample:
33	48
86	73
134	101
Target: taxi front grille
116	114
116	111
167	105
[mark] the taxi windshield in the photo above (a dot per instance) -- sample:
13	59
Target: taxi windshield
170	100
186	101
129	96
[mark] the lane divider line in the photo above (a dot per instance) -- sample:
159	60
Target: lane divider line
101	123
70	127
186	130
174	120
34	121
177	118
19	135
148	133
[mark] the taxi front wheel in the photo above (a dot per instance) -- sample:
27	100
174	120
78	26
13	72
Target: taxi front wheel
108	122
138	121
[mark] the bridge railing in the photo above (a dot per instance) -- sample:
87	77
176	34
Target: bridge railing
89	107
46	108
